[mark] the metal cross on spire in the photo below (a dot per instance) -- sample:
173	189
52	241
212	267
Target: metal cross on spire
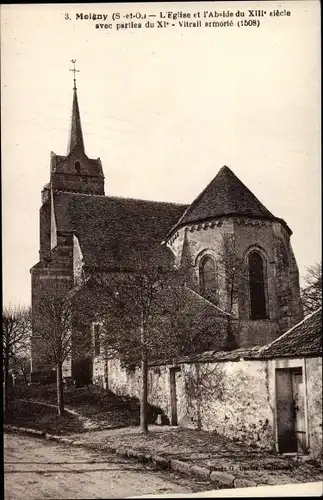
73	61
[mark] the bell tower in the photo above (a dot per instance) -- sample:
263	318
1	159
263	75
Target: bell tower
76	172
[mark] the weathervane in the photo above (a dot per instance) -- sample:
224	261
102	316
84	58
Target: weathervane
73	61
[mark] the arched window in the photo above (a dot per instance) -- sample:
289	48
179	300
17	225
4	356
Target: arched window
208	279
77	166
257	286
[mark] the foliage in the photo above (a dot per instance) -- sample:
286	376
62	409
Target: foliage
146	315
203	382
156	301
230	270
62	333
311	293
56	311
206	383
21	367
16	331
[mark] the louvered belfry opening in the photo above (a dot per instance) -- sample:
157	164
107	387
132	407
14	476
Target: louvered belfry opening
257	286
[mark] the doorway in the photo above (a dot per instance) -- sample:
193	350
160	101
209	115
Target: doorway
173	394
290	405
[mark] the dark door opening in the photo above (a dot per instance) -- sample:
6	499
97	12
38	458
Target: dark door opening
173	395
290	406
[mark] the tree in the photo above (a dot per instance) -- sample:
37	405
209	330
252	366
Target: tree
16	331
230	279
311	292
147	313
231	270
21	366
129	306
60	337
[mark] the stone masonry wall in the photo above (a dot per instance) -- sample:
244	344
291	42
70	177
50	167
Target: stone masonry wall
314	404
128	383
231	398
44	230
44	279
272	240
236	399
99	371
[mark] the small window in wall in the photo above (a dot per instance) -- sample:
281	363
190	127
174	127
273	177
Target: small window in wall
257	286
77	166
97	344
208	279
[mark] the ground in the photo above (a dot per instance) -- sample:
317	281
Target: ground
35	468
209	450
104	408
100	424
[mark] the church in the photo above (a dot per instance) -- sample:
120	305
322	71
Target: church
83	231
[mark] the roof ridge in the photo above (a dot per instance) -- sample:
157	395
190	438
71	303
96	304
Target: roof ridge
265	347
120	198
80	194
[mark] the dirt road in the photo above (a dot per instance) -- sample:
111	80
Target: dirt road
38	469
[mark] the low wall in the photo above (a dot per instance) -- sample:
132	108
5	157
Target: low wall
124	382
314	405
230	398
234	398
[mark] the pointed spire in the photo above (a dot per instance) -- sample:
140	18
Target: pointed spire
76	134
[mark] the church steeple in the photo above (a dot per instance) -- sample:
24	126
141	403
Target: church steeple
76	134
76	172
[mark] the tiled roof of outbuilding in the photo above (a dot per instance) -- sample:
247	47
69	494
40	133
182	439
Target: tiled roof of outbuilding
213	356
116	231
225	195
304	339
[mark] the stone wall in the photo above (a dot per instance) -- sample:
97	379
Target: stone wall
272	241
99	371
234	398
44	230
314	404
89	179
45	278
122	382
231	398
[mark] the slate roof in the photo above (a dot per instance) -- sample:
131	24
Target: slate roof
76	134
114	231
225	195
304	339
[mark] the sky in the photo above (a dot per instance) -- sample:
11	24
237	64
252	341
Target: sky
164	109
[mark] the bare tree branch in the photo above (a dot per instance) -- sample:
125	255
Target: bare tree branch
311	293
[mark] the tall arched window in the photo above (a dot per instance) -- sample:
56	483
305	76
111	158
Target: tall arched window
257	286
208	279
